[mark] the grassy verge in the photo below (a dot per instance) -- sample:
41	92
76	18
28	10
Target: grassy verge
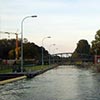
6	71
27	68
34	68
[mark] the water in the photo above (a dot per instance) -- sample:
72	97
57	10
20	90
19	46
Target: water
62	83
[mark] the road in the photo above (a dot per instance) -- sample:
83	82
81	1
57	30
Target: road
62	83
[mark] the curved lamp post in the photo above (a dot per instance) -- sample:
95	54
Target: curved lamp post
22	39
42	49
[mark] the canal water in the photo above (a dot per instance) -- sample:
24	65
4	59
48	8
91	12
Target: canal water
62	83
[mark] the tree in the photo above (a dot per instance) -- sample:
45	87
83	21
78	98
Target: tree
82	50
96	43
30	50
11	54
6	46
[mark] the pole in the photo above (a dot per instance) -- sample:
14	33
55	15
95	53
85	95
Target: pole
49	52
42	49
22	39
16	50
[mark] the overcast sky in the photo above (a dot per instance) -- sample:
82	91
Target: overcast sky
66	21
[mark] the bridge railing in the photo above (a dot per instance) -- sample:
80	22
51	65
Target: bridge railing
66	58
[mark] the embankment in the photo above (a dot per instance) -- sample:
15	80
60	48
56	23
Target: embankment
11	77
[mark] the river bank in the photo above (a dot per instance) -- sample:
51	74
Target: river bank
11	77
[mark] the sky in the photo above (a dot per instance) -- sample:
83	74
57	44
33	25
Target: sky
66	21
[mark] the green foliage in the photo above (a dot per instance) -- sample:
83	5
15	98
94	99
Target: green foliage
34	68
97	36
82	50
96	44
6	46
6	70
11	54
30	50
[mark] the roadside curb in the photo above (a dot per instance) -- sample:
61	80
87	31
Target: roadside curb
12	80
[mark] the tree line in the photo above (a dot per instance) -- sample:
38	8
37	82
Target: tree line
33	51
86	51
30	49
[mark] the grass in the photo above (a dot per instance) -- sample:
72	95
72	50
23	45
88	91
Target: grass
6	71
27	68
34	68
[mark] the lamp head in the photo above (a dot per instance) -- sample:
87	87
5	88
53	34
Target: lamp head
34	16
49	37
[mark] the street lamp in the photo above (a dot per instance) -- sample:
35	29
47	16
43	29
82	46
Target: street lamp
42	49
22	39
49	51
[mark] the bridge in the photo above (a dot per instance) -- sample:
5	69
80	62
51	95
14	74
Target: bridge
66	58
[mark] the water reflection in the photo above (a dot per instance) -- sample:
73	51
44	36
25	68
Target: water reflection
62	83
